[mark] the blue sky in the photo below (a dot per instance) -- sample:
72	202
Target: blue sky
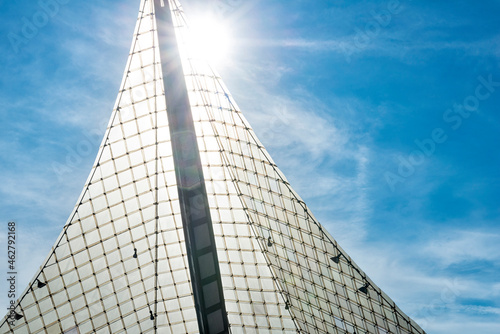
384	115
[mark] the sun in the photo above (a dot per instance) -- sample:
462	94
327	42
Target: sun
209	39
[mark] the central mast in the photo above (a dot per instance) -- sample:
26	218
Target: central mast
197	223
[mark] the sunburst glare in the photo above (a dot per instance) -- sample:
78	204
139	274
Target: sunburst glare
209	39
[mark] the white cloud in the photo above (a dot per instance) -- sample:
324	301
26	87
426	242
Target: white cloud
461	323
393	43
308	44
460	246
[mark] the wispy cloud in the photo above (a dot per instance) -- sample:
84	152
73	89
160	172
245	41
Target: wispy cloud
464	246
306	44
393	45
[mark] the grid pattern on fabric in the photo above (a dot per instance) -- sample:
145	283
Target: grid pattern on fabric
253	301
100	276
319	286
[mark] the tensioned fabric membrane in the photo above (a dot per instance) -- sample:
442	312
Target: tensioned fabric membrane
121	263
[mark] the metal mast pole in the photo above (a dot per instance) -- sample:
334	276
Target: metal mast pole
197	223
